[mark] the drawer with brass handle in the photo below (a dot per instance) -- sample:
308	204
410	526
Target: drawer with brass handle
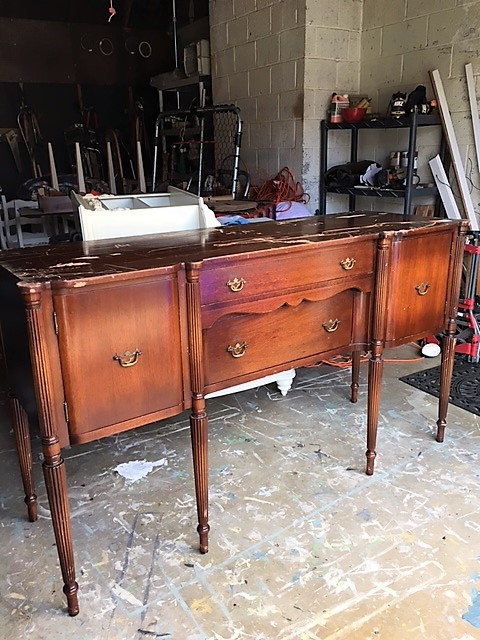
244	278
243	343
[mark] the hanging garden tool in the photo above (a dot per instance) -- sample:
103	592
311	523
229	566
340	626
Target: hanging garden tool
28	125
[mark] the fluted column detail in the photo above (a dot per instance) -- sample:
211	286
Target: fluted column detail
198	418
375	365
24	451
53	465
449	340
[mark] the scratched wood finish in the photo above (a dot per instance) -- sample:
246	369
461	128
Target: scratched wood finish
189	269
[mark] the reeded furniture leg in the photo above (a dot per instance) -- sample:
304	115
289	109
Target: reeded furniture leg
375	371
56	484
199	435
24	452
446	371
355	375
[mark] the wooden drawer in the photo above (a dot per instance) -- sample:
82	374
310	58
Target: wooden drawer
96	327
240	344
242	277
420	283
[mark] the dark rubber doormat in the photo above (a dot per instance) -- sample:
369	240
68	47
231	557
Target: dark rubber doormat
465	390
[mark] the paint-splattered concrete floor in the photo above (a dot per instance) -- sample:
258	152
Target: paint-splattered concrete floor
303	544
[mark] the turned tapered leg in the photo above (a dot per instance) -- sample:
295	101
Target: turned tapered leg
198	418
355	376
375	372
449	340
446	371
24	452
199	434
39	327
56	484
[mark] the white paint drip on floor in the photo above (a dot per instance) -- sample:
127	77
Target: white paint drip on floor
137	469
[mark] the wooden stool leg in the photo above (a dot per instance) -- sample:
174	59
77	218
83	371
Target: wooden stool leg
24	452
355	375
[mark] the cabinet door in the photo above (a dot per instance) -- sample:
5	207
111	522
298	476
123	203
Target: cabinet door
420	284
121	353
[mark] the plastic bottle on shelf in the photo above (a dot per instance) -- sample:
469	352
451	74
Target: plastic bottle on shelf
337	104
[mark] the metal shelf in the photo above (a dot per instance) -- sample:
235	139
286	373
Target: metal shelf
374	192
411	191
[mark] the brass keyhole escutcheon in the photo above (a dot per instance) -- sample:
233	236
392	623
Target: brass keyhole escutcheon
348	263
236	284
237	350
331	325
422	289
128	359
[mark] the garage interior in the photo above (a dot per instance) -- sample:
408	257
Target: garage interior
303	543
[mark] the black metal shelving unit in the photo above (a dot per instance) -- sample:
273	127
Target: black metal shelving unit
411	122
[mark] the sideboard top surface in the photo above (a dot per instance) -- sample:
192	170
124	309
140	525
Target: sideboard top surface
67	261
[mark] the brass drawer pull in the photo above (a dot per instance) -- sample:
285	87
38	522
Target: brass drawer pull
128	359
236	284
422	289
348	263
331	325
238	349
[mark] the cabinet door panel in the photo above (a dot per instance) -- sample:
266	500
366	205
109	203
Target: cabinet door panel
420	285
240	344
120	351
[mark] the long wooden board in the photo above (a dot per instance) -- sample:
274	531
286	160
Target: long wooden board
454	150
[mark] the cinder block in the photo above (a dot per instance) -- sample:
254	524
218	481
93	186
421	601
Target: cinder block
268	108
259	24
320	74
461	23
350	14
416	64
220	12
245	56
259	81
332	43
405	36
292	44
284	76
239	86
268	50
237	31
371	44
377	13
323	14
417	8
291	105
248	108
225	62
221	90
283	134
261	134
348	76
218	38
463	52
242	7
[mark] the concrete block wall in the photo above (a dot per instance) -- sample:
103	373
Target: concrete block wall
401	42
257	51
280	61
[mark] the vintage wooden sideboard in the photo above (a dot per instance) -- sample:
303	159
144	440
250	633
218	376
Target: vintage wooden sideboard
101	337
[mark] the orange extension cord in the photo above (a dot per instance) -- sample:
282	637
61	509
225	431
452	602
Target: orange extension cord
345	362
282	188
